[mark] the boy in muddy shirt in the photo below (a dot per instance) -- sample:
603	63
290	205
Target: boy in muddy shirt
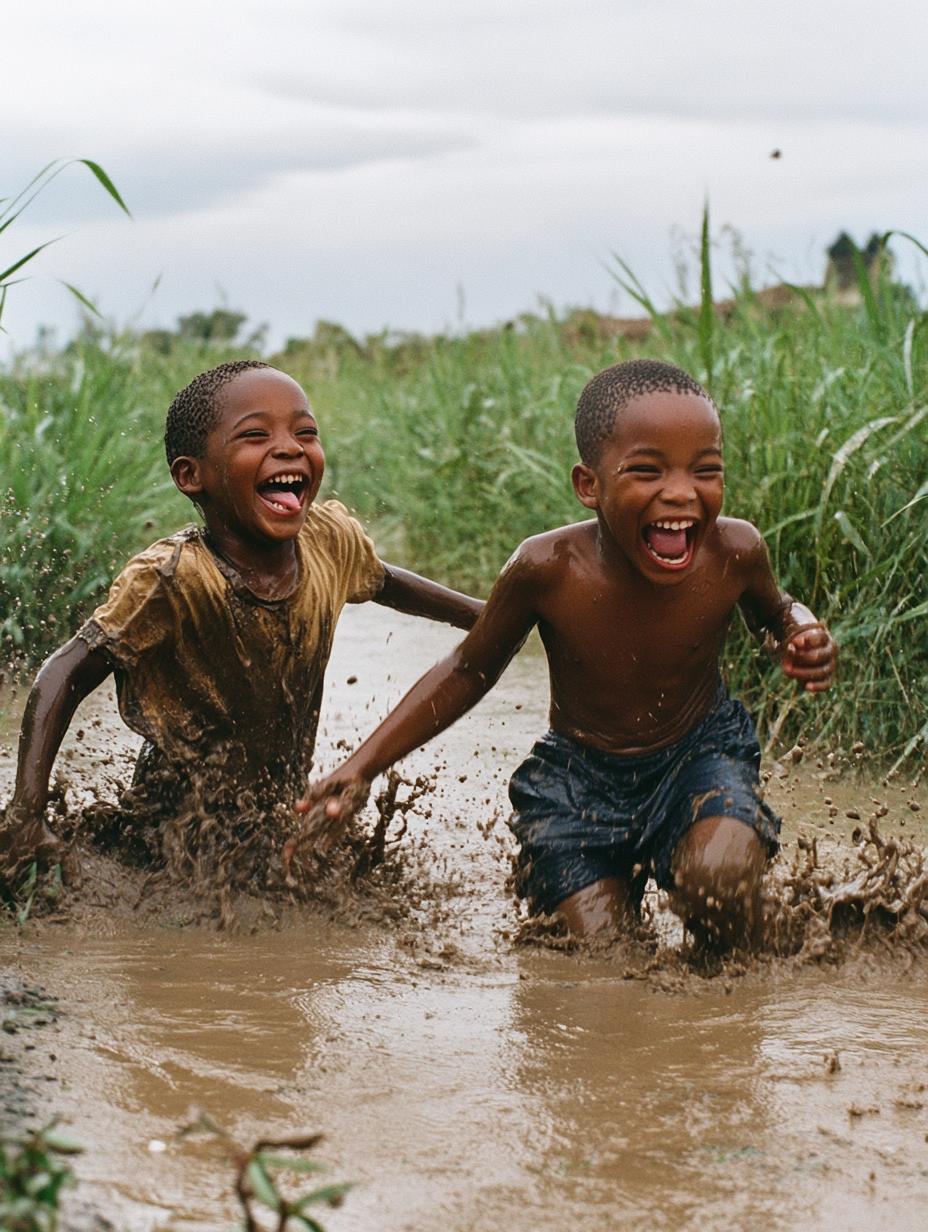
649	768
219	637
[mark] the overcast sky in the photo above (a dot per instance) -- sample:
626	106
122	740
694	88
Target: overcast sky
375	161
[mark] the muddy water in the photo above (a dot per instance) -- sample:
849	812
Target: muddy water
465	1084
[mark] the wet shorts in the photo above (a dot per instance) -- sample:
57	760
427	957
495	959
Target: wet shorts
582	815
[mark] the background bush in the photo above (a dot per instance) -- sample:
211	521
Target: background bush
454	449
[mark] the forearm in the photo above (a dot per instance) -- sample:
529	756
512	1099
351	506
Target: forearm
800	643
418	596
789	618
61	685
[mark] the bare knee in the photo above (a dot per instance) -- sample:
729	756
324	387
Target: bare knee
605	907
717	870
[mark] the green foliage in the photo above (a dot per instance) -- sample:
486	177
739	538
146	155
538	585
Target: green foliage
257	1178
459	448
83	484
454	449
32	1178
12	207
706	304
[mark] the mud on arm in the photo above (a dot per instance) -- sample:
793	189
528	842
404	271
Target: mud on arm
63	682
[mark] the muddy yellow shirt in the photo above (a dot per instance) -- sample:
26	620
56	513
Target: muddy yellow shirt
214	676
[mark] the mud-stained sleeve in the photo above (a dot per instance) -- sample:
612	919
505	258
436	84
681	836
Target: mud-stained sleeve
136	616
358	563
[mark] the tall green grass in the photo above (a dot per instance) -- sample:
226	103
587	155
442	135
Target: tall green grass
459	449
83	478
454	449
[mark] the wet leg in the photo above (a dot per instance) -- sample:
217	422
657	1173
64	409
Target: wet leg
717	868
606	906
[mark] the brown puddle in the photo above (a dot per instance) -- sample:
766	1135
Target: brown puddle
466	1084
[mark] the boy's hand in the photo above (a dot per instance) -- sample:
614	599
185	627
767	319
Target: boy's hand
810	656
24	837
328	806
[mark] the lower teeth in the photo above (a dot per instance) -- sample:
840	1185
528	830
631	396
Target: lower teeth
667	560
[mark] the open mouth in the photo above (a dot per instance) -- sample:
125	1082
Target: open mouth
670	541
284	493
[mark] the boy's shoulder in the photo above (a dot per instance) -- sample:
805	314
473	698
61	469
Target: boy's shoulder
575	536
547	556
330	518
736	537
164	555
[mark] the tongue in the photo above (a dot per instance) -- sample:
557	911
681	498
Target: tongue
289	500
670	543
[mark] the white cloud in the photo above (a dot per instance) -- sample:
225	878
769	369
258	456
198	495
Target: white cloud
357	160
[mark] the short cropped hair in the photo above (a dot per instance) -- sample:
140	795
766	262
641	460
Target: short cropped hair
611	389
195	410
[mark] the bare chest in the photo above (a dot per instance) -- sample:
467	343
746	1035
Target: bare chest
611	633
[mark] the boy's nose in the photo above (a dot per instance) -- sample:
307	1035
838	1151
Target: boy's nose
288	447
679	489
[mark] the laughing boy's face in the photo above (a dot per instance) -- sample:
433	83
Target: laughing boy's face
263	464
659	482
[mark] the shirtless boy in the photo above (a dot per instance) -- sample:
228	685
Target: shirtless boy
649	768
219	636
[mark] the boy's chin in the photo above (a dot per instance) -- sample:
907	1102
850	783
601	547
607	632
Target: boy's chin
271	532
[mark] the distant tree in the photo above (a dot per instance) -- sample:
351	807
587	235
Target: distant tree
220	325
841	271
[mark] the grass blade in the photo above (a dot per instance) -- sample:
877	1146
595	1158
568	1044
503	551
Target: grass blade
866	290
105	181
22	260
633	287
706	309
83	298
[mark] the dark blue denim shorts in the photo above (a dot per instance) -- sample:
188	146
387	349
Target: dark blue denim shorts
582	815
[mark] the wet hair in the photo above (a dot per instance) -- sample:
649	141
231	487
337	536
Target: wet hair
195	410
613	388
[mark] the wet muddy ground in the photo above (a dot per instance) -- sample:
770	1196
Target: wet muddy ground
464	1082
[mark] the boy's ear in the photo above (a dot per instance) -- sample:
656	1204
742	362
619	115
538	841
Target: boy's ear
586	485
187	476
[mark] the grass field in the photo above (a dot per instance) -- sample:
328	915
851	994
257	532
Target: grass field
453	449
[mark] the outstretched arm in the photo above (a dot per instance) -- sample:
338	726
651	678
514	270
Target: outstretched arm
408	592
63	682
443	695
802	645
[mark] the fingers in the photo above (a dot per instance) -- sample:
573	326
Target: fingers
34	843
327	808
810	657
316	792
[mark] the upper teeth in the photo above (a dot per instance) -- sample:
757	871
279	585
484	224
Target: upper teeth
684	525
287	479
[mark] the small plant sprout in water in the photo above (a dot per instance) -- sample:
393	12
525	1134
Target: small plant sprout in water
32	1178
257	1179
